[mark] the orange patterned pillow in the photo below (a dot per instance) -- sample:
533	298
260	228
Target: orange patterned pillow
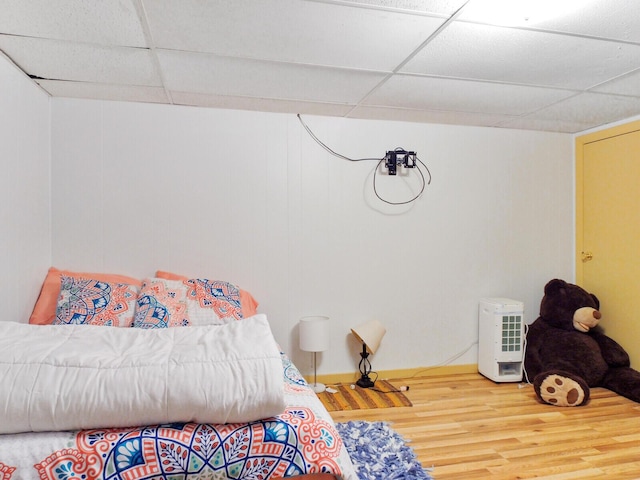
202	292
44	311
161	304
84	301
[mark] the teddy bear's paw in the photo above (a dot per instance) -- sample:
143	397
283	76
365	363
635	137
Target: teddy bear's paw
561	391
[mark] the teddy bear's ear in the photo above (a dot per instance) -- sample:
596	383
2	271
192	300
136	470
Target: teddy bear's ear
595	299
554	286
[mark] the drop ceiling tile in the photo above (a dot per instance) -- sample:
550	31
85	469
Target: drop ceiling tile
209	74
61	60
290	31
259	104
546	125
614	19
106	22
584	111
101	91
484	52
430	116
462	76
431	93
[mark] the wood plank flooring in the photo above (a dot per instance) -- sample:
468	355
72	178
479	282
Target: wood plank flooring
468	427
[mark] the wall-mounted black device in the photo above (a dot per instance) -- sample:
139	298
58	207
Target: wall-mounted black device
396	157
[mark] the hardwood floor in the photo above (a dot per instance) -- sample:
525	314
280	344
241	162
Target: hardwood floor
468	427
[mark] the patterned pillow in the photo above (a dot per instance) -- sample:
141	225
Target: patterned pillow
44	311
213	301
95	302
161	304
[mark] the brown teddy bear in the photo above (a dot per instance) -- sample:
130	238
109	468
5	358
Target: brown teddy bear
567	352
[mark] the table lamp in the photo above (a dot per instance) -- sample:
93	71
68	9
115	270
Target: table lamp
369	334
314	337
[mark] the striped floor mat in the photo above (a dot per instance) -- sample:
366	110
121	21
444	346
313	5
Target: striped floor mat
383	395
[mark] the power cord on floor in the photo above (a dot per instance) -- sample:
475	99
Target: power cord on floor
525	375
401	389
445	362
353	386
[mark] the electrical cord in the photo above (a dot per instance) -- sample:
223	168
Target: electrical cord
445	362
402	389
442	364
524	350
335	154
375	172
424	184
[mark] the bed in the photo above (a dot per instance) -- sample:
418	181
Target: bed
85	401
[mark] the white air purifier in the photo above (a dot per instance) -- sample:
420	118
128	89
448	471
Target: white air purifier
501	339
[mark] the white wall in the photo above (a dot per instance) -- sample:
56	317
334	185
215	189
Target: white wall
250	198
25	239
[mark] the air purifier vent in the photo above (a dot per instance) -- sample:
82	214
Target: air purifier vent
511	333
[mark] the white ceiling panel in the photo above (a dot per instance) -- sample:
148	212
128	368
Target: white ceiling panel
485	52
204	73
260	104
442	61
429	93
105	22
625	85
61	60
430	116
441	7
580	112
290	31
612	19
104	91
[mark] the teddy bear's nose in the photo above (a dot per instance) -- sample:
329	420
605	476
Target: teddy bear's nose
597	315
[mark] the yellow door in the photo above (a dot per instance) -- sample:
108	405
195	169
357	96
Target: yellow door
608	229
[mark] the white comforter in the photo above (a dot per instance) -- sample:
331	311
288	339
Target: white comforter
75	377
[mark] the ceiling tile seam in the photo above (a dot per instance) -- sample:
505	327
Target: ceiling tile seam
76	42
88	82
494	82
444	110
277	62
438	110
142	15
551	31
613	79
269	99
407	59
381	8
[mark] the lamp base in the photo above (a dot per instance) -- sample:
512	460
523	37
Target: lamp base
318	387
365	382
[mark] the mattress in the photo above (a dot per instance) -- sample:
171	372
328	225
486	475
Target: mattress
301	440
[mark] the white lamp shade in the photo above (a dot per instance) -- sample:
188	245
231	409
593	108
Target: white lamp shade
314	333
370	333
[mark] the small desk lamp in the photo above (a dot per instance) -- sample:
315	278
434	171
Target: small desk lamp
370	334
314	337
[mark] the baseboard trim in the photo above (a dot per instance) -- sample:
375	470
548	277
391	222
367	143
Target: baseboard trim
332	379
